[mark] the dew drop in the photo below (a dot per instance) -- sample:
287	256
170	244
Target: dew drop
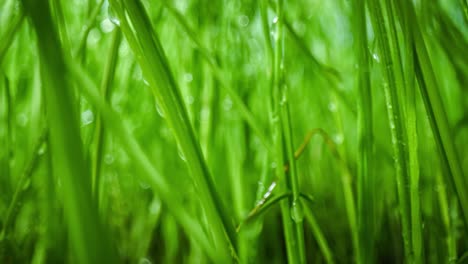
181	154
87	117
113	16
338	138
42	149
155	206
275	20
190	99
243	20
273	165
144	261
93	37
107	25
227	103
160	110
188	77
27	184
144	185
297	214
22	120
332	107
376	57
108	159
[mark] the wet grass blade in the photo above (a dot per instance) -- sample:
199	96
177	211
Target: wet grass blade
366	180
150	55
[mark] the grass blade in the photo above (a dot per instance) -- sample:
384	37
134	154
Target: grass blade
150	55
88	238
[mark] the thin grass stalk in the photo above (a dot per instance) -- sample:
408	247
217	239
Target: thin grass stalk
346	180
88	238
429	89
296	210
99	131
397	124
150	55
409	98
318	235
450	240
293	243
366	181
5	165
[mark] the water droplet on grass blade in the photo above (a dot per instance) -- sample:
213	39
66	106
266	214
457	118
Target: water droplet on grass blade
87	117
22	120
108	159
188	77
113	16
160	110
42	149
227	103
338	138
181	154
107	25
243	21
297	214
332	107
275	20
144	261
376	57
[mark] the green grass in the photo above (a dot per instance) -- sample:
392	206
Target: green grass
220	131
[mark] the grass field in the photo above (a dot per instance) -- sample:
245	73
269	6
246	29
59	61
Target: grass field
199	131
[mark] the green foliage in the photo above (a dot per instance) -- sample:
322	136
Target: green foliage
147	131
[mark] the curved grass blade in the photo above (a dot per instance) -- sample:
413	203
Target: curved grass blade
260	209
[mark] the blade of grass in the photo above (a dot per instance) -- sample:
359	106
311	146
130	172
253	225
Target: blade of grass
297	212
291	226
318	235
409	100
366	180
99	133
88	238
393	95
149	52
